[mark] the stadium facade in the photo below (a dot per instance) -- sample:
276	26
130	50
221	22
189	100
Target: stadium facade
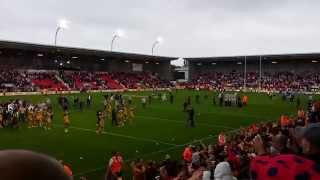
21	55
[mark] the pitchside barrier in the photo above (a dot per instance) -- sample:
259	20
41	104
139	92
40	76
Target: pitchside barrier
74	92
44	92
315	90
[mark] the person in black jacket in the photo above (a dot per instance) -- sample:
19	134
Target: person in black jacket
114	117
190	120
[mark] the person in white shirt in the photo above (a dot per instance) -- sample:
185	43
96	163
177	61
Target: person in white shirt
144	102
223	170
164	97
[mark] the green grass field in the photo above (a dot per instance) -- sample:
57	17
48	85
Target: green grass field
158	130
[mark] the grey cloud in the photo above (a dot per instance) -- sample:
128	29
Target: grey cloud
189	27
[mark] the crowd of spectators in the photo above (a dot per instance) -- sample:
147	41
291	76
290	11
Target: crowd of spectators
46	80
140	80
11	80
277	81
118	80
14	80
78	80
29	81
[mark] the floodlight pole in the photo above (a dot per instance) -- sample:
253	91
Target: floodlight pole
245	73
153	46
56	35
112	42
260	72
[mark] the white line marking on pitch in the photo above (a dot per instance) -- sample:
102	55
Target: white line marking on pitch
121	135
181	122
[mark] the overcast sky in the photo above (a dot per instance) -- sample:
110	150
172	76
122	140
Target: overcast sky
189	27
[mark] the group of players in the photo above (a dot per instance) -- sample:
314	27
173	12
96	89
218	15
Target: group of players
40	115
117	109
14	112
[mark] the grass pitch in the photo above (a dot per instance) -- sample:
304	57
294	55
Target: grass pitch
157	130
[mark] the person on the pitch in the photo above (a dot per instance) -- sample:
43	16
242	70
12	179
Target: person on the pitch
298	103
97	114
75	101
66	121
244	100
114	117
197	98
48	120
190	120
185	105
89	100
189	100
171	98
130	100
205	96
101	119
81	105
149	99
144	102
164	97
221	97
239	102
214	100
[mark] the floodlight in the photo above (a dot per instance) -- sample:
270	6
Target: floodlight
63	23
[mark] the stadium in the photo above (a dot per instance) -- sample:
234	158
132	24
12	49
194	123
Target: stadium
70	112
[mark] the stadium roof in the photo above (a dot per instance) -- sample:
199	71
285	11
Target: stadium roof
302	56
73	51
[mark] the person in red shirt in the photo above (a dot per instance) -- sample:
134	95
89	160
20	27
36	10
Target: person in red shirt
66	169
222	139
115	167
245	100
187	154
